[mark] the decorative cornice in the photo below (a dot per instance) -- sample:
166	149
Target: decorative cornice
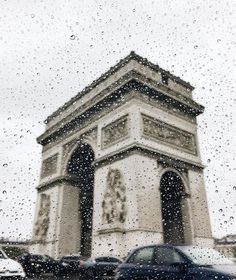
161	157
56	180
181	103
112	70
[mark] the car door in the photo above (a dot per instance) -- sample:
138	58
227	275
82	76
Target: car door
105	266
140	264
168	264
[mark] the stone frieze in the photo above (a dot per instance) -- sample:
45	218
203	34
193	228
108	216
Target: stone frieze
114	132
49	166
168	134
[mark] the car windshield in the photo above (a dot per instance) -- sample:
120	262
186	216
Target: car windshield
205	256
2	256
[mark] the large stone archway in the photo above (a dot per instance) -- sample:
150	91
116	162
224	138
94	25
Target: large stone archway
81	166
137	123
172	196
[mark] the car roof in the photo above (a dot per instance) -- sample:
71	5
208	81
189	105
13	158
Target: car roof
168	245
176	246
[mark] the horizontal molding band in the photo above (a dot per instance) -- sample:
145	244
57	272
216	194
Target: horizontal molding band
167	159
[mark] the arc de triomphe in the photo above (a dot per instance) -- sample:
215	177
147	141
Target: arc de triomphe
121	166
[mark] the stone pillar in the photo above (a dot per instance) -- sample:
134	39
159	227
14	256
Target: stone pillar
200	213
46	243
68	221
142	223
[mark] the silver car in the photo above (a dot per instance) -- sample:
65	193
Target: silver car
9	267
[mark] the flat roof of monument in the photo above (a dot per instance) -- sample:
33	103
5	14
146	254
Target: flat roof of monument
121	63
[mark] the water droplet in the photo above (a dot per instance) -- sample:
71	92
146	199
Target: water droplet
5	165
72	37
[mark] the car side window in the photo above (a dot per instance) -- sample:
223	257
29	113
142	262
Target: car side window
167	256
142	256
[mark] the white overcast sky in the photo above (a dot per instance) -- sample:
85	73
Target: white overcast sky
52	49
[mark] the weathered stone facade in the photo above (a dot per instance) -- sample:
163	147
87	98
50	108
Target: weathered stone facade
139	128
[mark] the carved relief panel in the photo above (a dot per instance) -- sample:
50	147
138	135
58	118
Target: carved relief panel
49	166
168	134
42	222
114	132
114	200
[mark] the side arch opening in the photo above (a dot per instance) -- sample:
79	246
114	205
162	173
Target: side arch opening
80	165
172	201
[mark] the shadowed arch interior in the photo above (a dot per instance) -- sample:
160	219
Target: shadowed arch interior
80	165
172	193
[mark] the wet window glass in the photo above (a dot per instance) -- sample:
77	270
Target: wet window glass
117	133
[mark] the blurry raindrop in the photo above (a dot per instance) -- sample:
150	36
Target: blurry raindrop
72	37
5	165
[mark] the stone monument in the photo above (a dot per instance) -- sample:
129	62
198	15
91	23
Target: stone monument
121	166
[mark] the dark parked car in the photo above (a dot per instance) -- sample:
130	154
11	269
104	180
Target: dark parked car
37	264
71	264
101	267
166	262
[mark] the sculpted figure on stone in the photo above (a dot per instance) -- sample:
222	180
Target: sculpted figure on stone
114	201
42	223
